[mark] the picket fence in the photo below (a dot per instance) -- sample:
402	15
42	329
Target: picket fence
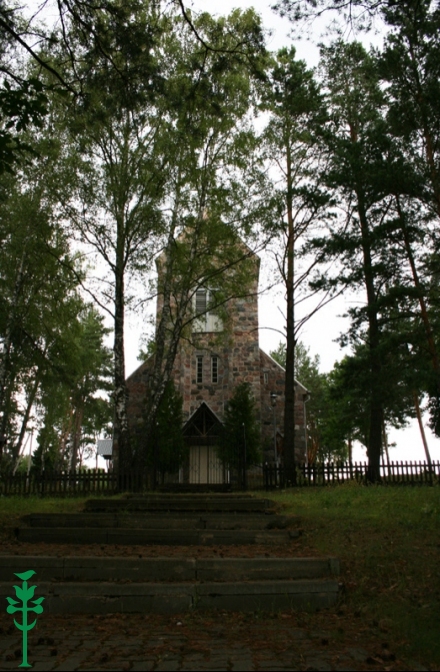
333	473
267	476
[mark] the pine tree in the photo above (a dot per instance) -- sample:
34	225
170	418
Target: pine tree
241	439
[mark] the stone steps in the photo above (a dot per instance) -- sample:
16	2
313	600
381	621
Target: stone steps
159	520
142	536
170	520
88	568
195	488
173	585
181	503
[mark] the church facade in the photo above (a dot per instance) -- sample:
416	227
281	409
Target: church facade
207	370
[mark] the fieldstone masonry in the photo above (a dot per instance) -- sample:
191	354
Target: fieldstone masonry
238	359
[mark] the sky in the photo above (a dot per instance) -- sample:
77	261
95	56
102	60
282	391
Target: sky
320	332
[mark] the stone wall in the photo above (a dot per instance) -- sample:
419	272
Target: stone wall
272	377
239	360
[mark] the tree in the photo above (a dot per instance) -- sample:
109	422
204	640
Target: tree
72	409
23	102
325	440
240	446
410	65
167	450
150	151
295	105
38	298
360	153
354	14
212	181
115	142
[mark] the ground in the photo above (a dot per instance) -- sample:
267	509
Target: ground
387	541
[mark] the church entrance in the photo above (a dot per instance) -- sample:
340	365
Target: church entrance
204	465
202	434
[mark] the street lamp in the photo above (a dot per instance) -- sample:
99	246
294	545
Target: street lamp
273	399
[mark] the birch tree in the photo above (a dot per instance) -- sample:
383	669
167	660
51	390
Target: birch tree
216	182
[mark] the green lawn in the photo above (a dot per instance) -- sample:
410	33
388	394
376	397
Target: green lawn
388	542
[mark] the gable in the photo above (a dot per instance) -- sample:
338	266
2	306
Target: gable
202	427
271	363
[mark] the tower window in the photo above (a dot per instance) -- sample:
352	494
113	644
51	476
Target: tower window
214	369
199	369
201	301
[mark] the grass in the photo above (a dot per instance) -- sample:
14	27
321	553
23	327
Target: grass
12	508
388	542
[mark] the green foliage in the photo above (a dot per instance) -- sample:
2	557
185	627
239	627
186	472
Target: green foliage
241	430
73	413
39	301
168	436
327	434
279	354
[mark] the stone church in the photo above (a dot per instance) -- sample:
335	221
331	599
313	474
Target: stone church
206	373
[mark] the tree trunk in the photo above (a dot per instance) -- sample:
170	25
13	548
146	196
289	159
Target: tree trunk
66	432
76	434
6	355
422	430
121	428
385	442
374	448
30	400
289	386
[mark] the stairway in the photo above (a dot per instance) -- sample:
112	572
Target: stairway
172	584
175	520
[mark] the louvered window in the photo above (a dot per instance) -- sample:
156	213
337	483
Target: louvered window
201	301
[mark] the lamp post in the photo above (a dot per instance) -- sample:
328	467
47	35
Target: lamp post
273	399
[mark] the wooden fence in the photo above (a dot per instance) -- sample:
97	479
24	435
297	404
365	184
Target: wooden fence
95	481
392	473
74	483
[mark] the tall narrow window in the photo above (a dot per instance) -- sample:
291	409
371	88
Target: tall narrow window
214	369
199	371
